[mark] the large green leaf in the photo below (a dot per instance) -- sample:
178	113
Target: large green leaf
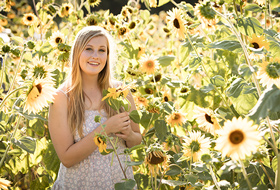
148	118
26	143
174	182
249	26
252	7
161	129
268	102
162	2
135	116
166	60
51	159
127	185
230	45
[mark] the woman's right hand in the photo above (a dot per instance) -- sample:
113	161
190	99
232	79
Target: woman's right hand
117	123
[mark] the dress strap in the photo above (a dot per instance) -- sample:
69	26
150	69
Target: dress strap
64	93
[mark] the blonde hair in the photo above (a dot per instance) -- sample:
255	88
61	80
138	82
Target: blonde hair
76	103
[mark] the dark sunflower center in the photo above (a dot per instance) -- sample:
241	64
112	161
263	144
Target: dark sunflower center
92	21
184	90
165	98
39	87
195	146
132	25
273	70
149	91
67	8
58	40
176	116
236	137
154	159
122	31
208	118
176	23
29	18
256	45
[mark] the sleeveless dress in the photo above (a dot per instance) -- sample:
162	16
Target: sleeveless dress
97	171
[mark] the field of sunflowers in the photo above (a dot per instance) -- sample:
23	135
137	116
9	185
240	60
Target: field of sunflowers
205	79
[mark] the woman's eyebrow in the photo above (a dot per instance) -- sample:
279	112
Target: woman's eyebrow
99	46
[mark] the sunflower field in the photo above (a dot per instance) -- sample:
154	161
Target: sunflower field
205	79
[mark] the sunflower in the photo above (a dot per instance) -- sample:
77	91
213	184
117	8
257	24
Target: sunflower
121	31
40	70
155	157
91	20
94	2
156	77
149	63
56	38
100	141
65	10
166	97
141	101
195	145
133	72
114	93
258	42
30	19
269	72
39	95
175	118
205	13
206	120
238	138
153	3
4	184
174	19
3	22
11	15
153	109
260	2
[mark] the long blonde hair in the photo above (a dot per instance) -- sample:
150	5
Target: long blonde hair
76	103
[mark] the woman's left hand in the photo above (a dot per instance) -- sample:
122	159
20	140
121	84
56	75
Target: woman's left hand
126	133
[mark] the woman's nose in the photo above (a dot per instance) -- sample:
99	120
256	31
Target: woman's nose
95	54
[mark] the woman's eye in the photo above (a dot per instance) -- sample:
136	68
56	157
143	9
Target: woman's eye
88	49
102	50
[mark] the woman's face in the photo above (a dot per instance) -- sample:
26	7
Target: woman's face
94	57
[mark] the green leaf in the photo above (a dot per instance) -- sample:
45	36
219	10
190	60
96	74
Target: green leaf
148	118
266	103
230	45
144	14
26	143
161	129
252	7
51	159
135	116
162	2
173	170
131	163
236	87
174	182
17	40
218	81
249	26
39	127
274	47
127	185
166	60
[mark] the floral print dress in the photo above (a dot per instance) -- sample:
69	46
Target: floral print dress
96	171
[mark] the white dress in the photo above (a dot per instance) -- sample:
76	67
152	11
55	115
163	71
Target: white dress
96	172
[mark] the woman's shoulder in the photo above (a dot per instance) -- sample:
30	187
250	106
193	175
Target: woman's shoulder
116	83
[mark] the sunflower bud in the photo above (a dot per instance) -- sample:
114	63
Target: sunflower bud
6	49
30	45
16	52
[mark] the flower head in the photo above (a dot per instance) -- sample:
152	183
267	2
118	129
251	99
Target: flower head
153	3
195	145
206	120
40	70
205	13
269	72
56	38
175	118
175	21
30	19
141	101
260	2
155	157
39	95
100	141
65	10
238	139
114	93
257	42
149	63
4	184
94	2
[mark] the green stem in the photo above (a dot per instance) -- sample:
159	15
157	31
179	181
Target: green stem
235	9
9	142
155	180
8	95
245	175
214	177
3	69
271	182
277	177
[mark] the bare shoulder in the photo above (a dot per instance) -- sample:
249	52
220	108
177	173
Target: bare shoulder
117	83
59	104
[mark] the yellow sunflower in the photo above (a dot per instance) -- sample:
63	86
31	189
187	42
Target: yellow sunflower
4	184
175	21
258	42
65	10
153	3
175	118
153	109
205	13
155	157
195	145
100	141
39	95
269	72
206	120
260	2
94	2
3	22
40	70
141	101
148	63
238	139
56	38
114	93
166	97
30	19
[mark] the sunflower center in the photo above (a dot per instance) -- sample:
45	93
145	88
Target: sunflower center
156	159
195	146
273	70
176	23
29	18
149	91
208	118
122	31
256	45
184	90
236	137
39	87
165	98
67	8
150	64
58	40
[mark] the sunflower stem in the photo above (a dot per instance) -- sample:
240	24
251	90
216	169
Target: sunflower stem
213	177
245	175
271	182
3	69
9	142
9	94
235	9
277	177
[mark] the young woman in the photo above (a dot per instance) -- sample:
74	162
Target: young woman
71	117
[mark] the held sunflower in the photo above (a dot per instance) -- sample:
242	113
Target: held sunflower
238	139
100	141
269	73
39	95
195	145
175	21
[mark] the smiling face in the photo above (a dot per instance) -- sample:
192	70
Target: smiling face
94	56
